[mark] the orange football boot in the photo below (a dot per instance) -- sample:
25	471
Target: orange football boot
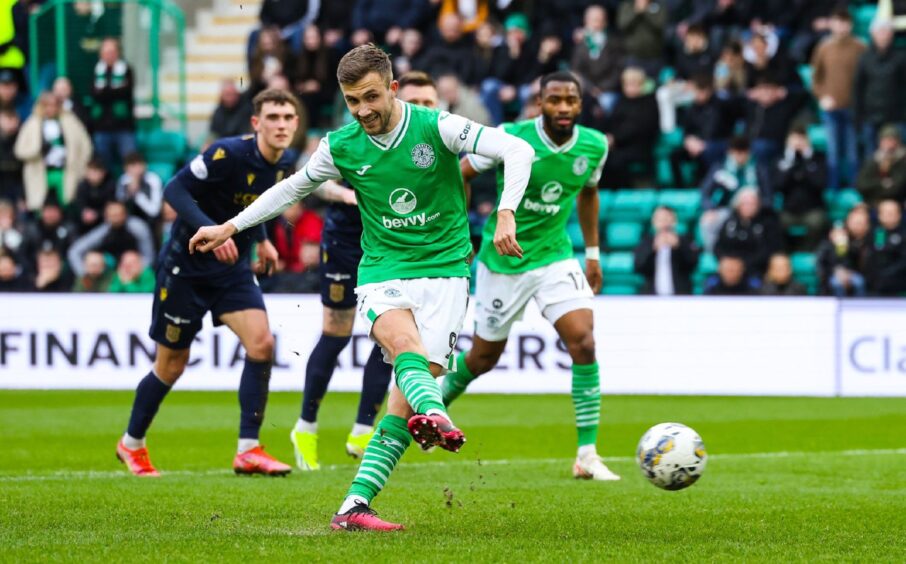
136	460
256	461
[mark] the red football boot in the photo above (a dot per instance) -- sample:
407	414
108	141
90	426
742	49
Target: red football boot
256	461
362	518
431	430
136	460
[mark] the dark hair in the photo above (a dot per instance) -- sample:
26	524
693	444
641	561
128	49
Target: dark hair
98	163
703	81
734	47
276	96
739	143
798	129
665	207
358	62
696	29
134	158
842	13
561	76
416	78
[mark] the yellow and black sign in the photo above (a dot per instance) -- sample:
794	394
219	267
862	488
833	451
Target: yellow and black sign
163	294
337	292
219	154
173	333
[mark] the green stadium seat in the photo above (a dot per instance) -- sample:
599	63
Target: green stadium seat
862	18
839	203
619	289
805	75
804	264
687	203
817	136
632	205
575	234
162	146
619	272
605	201
623	235
164	170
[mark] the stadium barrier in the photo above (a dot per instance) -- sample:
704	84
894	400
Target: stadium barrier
693	345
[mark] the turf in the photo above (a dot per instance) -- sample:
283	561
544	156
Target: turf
788	479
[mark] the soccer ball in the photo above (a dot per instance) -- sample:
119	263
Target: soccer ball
672	456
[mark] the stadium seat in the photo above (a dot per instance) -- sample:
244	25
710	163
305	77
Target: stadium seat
839	203
619	274
687	203
160	146
862	18
817	136
632	205
805	270
575	234
805	75
164	170
605	200
623	235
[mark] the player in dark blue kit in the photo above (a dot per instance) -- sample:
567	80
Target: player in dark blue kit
214	187
341	252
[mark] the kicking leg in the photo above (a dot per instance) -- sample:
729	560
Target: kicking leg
481	358
169	365
576	329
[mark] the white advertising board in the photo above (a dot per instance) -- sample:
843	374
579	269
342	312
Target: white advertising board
872	352
757	346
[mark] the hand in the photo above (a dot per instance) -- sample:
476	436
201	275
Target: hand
670	239
640	6
210	237
393	35
227	253
348	197
507	93
505	235
593	275
267	257
550	46
89	215
694	145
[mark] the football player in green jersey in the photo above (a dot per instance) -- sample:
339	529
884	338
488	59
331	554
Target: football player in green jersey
567	166
402	161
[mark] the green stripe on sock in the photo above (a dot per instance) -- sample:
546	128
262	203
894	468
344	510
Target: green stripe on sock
419	387
586	394
456	381
391	439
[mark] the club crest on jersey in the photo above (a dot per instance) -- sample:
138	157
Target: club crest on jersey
172	333
580	165
552	191
423	155
403	200
392	293
337	292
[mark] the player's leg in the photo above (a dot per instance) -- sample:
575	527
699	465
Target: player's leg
169	365
336	331
251	326
480	359
375	381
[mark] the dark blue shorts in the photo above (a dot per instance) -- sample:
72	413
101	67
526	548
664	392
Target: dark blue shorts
180	304
339	267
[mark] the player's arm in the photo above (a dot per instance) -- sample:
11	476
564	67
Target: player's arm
272	202
332	191
461	135
471	166
588	204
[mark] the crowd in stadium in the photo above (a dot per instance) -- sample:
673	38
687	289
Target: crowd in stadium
772	111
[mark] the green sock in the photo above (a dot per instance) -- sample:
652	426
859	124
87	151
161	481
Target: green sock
391	439
587	401
456	381
419	387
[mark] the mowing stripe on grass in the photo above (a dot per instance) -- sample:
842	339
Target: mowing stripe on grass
106	474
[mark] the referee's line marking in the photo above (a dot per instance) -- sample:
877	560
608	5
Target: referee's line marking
107	474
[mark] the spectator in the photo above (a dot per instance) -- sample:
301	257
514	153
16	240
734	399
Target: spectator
642	24
725	18
707	126
52	276
474	13
730	76
887	261
290	18
111	108
665	258
12	278
11	95
598	58
383	17
293	230
62	89
11	237
843	257
457	99
510	65
778	281
834	66
884	176
233	114
411	51
50	231
269	59
895	11
801	177
810	22
95	276
764	59
119	233
731	279
92	194
751	233
722	184
314	81
770	111
695	60
453	52
10	167
877	96
132	276
335	19
140	189
55	149
630	128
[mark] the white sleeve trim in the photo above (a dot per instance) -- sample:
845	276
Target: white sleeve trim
516	155
596	175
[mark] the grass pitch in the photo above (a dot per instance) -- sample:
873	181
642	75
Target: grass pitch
787	479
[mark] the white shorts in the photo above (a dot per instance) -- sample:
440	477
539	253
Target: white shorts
500	299
438	304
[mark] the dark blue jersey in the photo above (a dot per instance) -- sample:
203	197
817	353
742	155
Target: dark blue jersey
212	189
343	222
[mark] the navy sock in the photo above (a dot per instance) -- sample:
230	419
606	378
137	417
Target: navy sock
253	385
318	371
149	394
375	382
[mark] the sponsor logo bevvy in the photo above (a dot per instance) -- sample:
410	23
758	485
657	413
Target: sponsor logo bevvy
403	201
550	193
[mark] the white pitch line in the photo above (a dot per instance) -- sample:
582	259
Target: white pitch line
107	474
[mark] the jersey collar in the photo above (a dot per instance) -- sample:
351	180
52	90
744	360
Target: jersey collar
549	143
392	139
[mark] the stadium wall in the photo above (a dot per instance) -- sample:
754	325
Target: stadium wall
727	346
